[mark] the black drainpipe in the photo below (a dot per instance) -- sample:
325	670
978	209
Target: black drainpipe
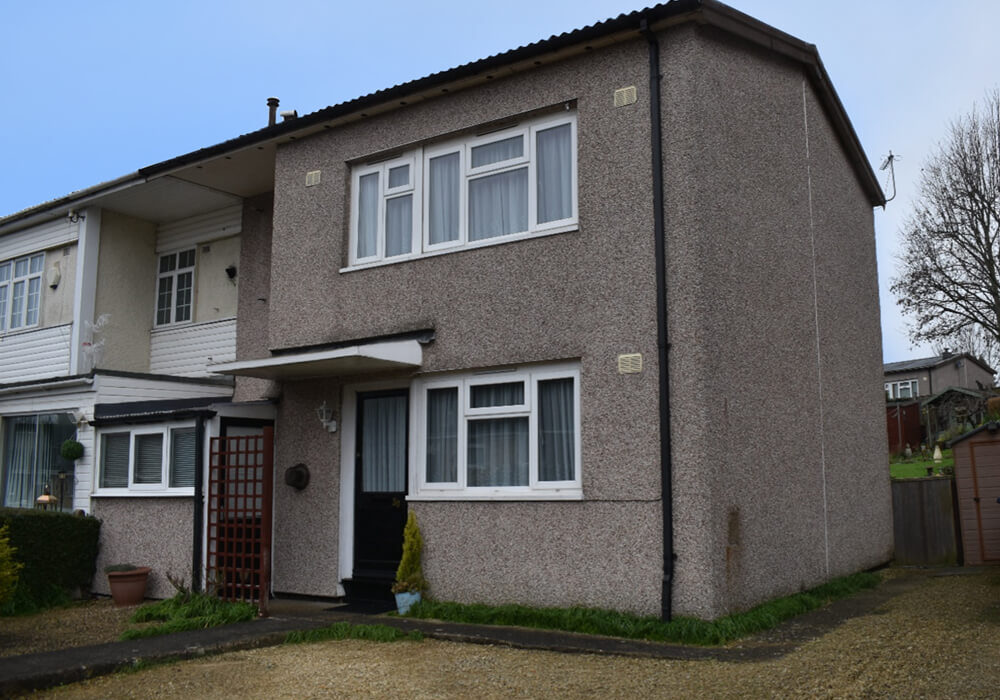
662	348
199	502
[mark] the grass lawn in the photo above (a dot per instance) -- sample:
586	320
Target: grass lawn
681	630
901	468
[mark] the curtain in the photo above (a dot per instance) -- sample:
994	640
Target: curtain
19	461
398	225
498	151
17	306
32	460
34	286
383	452
3	305
368	197
506	394
498	452
556	439
182	452
442	435
148	459
555	199
443	196
498	204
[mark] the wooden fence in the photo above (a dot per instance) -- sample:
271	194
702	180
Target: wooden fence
924	521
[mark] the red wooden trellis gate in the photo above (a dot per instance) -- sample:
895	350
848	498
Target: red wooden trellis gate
239	517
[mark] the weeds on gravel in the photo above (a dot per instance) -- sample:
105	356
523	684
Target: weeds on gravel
345	630
187	611
681	630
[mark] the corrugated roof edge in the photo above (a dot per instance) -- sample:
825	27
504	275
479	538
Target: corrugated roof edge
710	11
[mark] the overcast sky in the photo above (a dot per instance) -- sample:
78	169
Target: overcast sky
94	90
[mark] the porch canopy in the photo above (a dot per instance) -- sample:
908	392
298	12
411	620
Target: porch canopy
351	359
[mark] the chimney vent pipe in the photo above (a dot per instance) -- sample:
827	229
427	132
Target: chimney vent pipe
272	111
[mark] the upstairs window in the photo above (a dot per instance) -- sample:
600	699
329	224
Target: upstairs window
20	291
481	190
175	287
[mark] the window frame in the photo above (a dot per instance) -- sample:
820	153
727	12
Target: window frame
132	488
173	275
536	489
7	287
892	389
420	159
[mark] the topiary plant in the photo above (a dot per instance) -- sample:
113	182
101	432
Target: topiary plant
410	574
71	450
10	568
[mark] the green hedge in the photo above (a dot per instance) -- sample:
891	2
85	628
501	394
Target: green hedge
59	553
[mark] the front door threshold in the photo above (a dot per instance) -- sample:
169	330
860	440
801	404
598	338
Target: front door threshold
368	588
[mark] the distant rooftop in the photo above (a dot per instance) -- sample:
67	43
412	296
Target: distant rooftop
929	362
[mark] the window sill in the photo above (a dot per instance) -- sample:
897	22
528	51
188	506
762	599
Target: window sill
145	493
568	494
486	243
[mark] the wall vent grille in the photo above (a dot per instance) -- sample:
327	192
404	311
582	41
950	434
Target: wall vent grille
625	96
630	364
312	178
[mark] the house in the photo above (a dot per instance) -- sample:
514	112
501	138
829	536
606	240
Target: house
928	397
105	340
926	376
535	299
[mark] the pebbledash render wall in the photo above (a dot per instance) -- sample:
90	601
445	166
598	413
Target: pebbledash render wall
153	532
586	295
777	483
776	409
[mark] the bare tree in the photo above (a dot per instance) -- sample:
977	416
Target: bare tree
975	341
949	272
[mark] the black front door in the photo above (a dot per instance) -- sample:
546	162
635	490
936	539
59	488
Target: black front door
380	484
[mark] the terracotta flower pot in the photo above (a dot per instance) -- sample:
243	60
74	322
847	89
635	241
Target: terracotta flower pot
128	587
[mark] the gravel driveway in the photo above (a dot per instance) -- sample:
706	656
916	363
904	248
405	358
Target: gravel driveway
940	638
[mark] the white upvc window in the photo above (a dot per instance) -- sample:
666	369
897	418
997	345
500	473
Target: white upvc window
21	291
507	435
175	287
906	389
154	460
514	183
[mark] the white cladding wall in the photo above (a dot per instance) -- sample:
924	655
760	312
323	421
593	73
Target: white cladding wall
36	354
48	235
185	351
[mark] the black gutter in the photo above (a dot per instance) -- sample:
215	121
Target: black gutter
662	347
199	502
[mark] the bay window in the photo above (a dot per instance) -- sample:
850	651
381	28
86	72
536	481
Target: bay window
517	182
499	435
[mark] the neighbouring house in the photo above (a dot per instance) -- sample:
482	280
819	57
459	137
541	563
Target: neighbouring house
929	397
927	376
535	299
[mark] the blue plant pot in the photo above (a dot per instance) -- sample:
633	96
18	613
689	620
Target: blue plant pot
404	601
